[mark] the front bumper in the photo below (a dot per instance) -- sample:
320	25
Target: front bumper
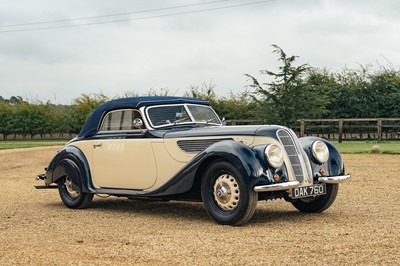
276	187
334	179
293	184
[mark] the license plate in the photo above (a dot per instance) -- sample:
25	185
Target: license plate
310	191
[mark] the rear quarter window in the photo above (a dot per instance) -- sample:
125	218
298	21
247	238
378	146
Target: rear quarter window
120	120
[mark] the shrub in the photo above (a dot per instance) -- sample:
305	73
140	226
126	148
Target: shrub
376	149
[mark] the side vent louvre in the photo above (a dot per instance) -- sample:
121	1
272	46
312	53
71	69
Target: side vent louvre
199	145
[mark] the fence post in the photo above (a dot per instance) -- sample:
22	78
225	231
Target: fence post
302	126
340	131
379	129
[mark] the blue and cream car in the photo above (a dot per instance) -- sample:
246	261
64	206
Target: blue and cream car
176	148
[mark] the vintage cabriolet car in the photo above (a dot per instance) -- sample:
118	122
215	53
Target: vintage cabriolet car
176	148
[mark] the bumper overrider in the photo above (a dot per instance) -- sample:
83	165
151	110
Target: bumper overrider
41	177
294	184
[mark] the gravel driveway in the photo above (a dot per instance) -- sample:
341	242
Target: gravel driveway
362	227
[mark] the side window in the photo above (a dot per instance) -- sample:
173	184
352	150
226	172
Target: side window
120	120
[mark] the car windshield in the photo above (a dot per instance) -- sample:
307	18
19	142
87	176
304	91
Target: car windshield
168	115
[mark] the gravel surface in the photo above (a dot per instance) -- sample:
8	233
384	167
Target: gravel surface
362	226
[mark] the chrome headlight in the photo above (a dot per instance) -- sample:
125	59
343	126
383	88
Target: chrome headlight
274	155
320	151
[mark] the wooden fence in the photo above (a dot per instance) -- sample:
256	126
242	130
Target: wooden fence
334	129
342	129
352	128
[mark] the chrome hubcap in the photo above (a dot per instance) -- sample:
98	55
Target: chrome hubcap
226	192
68	185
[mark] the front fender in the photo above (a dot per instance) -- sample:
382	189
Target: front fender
73	159
245	159
333	167
242	157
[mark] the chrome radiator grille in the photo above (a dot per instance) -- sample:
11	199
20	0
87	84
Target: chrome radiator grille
294	155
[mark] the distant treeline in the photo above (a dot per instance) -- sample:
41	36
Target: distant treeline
283	97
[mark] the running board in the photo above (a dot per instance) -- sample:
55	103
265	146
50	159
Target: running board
46	187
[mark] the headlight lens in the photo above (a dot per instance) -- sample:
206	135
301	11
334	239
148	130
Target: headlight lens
274	155
320	151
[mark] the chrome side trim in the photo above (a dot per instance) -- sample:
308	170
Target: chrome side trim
334	179
276	187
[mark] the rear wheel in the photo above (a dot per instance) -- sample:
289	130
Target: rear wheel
319	203
71	195
226	196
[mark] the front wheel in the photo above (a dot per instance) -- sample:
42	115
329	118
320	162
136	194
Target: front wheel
226	196
319	203
72	198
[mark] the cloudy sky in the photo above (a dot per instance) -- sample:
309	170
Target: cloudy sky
205	43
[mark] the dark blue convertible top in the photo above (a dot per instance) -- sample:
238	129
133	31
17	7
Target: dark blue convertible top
92	123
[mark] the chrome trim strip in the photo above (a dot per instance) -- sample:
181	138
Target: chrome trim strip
276	187
333	179
185	105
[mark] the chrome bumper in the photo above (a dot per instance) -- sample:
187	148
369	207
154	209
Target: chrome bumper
334	179
293	184
276	187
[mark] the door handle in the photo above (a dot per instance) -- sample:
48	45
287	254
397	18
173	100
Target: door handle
97	145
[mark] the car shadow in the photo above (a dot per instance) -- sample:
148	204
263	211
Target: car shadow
182	209
190	211
266	216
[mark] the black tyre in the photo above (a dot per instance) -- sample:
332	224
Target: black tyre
319	203
226	196
71	195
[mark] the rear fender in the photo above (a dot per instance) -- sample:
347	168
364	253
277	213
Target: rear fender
70	160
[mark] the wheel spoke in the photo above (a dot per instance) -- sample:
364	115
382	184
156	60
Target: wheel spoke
68	186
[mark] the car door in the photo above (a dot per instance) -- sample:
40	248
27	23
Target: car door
123	157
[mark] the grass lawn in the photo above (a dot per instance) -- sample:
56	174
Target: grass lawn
15	144
387	147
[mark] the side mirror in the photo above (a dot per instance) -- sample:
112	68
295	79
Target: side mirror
138	123
223	121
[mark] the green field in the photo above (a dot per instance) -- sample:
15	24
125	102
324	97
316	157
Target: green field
387	147
17	144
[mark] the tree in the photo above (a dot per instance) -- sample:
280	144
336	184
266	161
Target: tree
233	107
288	97
14	100
6	119
81	108
205	92
385	87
